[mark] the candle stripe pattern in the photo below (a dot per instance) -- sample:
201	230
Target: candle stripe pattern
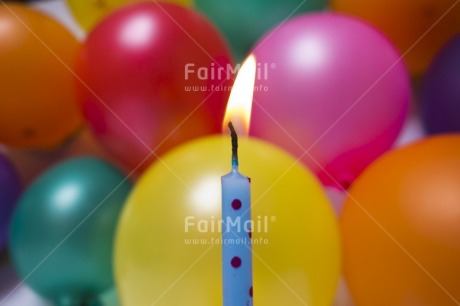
236	240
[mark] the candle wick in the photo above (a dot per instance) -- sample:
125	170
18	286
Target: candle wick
234	144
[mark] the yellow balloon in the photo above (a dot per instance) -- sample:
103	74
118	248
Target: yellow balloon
89	12
167	246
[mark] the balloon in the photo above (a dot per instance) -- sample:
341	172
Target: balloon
440	92
89	12
244	22
332	92
143	95
32	163
167	251
38	107
432	24
401	227
110	298
10	188
62	230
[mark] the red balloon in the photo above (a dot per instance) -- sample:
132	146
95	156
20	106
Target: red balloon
153	76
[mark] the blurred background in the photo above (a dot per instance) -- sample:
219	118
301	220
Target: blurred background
97	109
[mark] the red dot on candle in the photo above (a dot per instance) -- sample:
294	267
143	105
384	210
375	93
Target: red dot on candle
236	204
236	262
250	292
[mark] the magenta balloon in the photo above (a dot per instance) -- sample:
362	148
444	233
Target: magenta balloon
333	91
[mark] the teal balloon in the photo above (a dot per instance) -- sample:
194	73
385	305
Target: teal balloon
110	298
62	230
243	22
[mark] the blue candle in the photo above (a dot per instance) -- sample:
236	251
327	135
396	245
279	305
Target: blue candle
236	234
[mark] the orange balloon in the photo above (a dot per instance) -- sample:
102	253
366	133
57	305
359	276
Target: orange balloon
38	107
401	227
407	21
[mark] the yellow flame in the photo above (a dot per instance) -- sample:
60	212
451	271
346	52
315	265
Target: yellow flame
240	102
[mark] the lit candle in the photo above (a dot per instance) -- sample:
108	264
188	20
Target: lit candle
236	204
236	234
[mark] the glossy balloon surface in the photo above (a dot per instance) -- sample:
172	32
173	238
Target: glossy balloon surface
168	252
89	13
38	103
61	234
418	27
10	189
332	91
159	85
401	227
244	22
440	91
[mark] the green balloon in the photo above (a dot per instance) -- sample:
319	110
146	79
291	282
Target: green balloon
62	231
243	22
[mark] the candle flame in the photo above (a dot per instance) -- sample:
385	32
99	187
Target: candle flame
240	102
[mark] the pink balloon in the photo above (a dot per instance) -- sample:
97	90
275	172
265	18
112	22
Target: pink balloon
333	91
